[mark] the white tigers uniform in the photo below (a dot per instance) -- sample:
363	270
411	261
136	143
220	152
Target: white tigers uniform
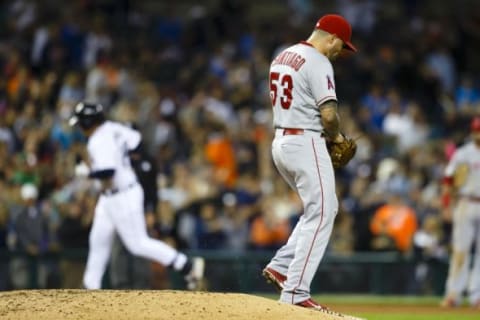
466	226
121	208
301	79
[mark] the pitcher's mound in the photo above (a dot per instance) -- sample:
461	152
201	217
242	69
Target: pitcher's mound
134	304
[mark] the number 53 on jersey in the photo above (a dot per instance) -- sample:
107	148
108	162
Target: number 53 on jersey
281	86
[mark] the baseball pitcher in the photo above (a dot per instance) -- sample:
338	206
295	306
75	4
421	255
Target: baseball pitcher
120	205
462	177
307	147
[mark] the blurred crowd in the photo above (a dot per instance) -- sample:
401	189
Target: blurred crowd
193	78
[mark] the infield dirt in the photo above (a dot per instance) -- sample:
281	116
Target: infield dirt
133	304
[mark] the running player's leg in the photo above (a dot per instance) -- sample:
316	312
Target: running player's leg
129	220
462	239
100	246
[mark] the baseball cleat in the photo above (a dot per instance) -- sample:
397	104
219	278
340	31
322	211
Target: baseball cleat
275	278
449	303
195	276
310	304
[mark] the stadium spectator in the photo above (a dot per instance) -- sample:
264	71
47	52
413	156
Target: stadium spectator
73	234
269	231
393	225
429	250
209	227
29	238
219	151
4	262
467	96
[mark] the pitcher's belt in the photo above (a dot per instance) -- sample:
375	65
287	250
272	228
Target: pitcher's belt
294	131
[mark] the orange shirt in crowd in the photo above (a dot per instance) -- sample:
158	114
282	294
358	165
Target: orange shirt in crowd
262	234
219	151
397	221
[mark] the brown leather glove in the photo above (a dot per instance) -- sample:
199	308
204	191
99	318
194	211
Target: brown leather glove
341	152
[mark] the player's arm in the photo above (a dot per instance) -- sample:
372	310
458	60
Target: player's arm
446	197
331	121
105	177
137	152
133	139
447	190
83	169
104	174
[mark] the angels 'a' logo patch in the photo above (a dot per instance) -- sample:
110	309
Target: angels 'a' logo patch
330	85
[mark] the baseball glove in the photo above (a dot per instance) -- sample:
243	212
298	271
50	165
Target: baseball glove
341	152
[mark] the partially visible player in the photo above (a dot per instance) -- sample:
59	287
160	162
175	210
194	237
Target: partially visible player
304	101
462	182
120	207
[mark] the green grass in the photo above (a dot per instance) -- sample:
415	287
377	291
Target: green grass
376	299
400	301
431	303
406	316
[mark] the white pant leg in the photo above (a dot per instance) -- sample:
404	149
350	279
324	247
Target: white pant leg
284	256
474	284
129	220
100	246
306	159
462	240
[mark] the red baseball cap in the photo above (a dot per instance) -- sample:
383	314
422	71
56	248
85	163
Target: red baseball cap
475	125
339	26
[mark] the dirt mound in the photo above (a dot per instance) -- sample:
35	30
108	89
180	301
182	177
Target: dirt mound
134	304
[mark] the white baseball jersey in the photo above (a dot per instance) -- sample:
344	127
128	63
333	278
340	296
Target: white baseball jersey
467	154
301	79
108	149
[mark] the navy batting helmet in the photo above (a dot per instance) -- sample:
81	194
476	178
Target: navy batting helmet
87	115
